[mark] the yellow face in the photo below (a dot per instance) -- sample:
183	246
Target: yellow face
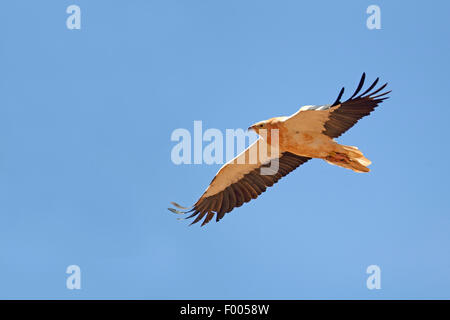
258	126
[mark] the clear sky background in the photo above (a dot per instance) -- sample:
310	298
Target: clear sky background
85	170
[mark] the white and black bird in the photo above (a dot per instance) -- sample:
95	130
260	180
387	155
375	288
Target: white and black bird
308	133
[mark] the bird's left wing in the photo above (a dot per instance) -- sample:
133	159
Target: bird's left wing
336	118
344	115
241	180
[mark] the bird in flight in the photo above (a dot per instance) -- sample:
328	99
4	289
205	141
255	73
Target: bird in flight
308	133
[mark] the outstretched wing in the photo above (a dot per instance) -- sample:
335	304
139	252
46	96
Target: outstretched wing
344	115
335	119
240	181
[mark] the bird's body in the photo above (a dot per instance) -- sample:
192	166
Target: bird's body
305	138
284	144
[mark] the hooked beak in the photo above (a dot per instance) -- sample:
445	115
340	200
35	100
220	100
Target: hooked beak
250	128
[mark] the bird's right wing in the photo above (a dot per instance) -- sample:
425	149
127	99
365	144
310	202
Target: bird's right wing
240	180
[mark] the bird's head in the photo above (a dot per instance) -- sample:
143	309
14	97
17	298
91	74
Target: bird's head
258	126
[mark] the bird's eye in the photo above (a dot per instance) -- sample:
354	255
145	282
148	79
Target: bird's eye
260	125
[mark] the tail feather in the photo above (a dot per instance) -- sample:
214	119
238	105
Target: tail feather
349	157
355	154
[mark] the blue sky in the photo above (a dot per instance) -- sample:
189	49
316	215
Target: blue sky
85	170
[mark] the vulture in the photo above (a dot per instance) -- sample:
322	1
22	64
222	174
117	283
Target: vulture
292	141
